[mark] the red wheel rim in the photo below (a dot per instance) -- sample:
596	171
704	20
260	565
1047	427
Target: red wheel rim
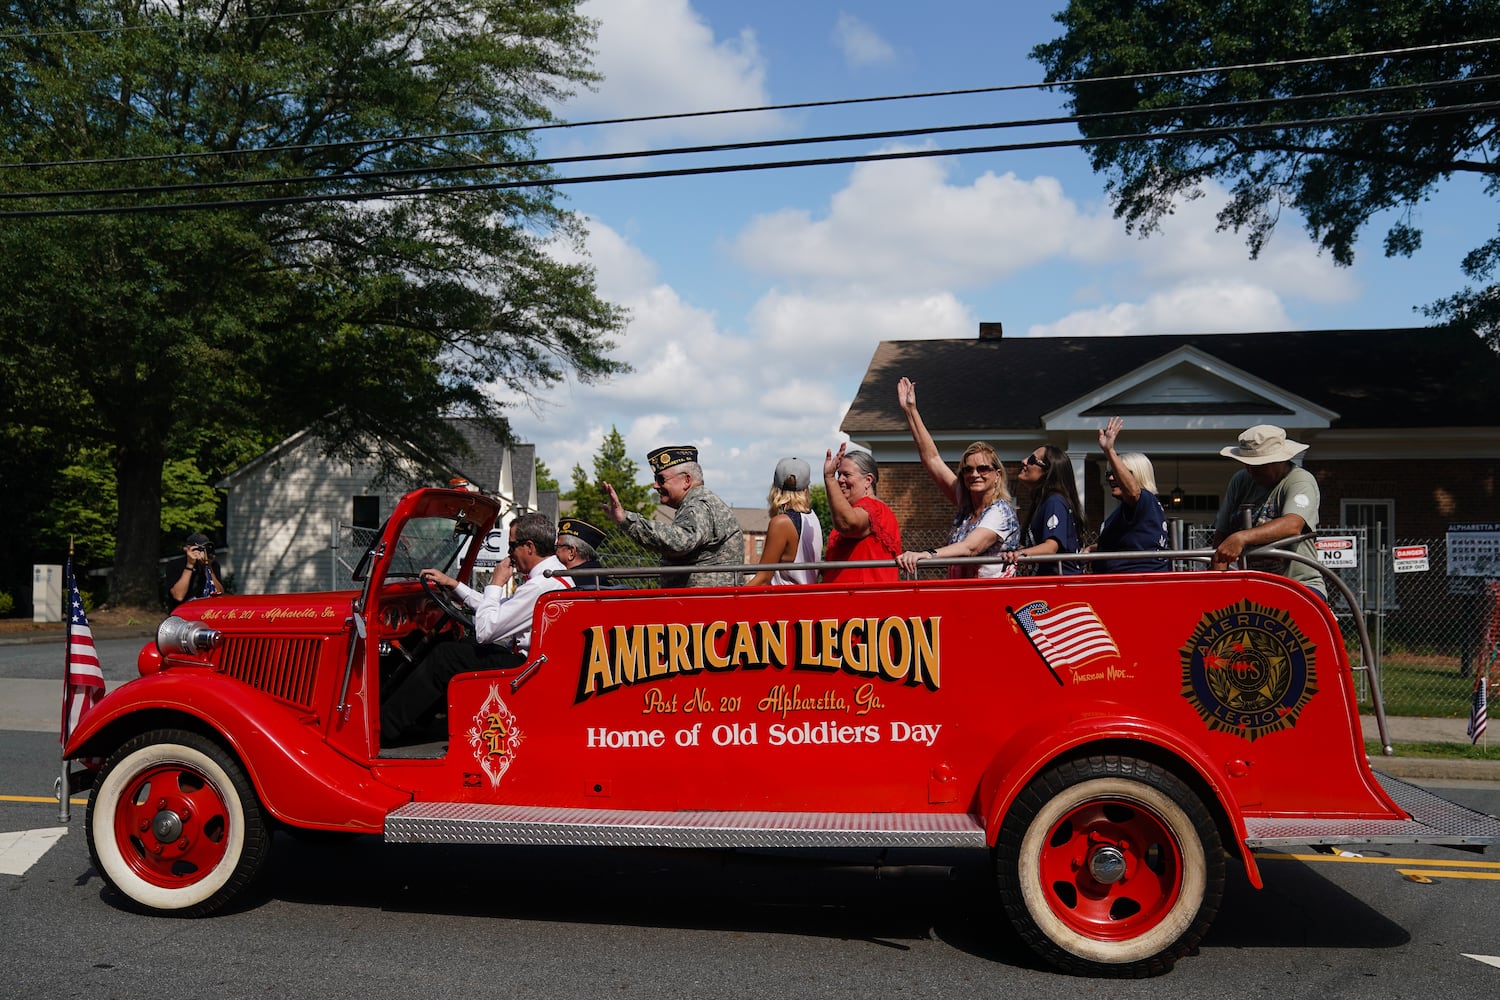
1111	869
171	825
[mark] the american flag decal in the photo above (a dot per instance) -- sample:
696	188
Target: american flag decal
1066	636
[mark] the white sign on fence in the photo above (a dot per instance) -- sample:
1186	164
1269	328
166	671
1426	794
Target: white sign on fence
1337	551
1410	558
1474	550
495	547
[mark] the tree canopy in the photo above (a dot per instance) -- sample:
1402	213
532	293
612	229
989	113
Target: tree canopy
331	294
1176	93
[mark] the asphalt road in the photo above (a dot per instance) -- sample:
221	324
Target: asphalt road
359	918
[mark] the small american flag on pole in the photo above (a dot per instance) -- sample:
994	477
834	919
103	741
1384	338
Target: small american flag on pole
1479	707
84	684
1068	636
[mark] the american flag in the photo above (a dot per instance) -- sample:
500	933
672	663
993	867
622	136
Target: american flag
84	684
1479	708
1068	636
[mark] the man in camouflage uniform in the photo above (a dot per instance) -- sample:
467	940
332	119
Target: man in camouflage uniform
704	531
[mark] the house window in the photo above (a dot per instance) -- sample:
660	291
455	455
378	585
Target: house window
366	512
1377	572
760	545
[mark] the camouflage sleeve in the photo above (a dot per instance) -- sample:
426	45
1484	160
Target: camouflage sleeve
689	531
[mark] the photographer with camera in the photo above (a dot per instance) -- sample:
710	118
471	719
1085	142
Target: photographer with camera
197	575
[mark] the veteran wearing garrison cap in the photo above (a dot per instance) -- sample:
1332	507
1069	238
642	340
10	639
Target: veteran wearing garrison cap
704	531
578	548
1281	497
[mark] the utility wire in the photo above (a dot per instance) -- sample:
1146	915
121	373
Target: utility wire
459	168
1193	133
797	105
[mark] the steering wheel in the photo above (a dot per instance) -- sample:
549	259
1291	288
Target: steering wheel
455	610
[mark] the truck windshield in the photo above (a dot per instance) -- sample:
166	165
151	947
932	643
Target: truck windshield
436	542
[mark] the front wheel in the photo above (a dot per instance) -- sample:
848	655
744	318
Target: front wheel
174	824
1110	866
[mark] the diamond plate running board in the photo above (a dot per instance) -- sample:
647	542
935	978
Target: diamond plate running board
1434	820
470	823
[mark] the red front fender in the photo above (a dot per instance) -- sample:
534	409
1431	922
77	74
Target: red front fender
298	778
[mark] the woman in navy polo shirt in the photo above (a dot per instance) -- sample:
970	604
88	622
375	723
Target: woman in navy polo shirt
1139	524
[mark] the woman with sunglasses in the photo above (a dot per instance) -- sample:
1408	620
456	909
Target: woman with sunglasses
986	523
1052	510
864	528
1139	524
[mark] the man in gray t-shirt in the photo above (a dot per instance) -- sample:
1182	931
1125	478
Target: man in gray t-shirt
1282	498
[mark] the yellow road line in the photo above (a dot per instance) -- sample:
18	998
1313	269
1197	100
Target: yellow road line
1378	861
1428	875
41	798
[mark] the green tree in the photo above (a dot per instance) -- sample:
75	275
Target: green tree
1339	175
614	466
544	478
392	299
817	498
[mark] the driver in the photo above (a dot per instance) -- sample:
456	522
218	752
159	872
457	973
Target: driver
502	625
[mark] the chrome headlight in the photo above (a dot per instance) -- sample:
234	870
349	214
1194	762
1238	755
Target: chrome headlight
176	635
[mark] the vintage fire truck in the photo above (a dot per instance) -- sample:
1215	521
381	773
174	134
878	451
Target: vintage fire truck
1116	743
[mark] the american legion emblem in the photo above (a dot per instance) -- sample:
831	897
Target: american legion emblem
1248	670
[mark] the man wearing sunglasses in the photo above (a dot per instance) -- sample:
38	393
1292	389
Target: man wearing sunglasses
502	625
704	531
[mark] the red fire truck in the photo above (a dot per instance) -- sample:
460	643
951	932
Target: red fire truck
1116	743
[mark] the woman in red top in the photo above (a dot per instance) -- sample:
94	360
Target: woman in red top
864	528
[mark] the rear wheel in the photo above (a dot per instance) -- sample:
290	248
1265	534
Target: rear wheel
1110	866
174	824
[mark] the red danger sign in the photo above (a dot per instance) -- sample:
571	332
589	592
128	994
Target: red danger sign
1337	551
1410	558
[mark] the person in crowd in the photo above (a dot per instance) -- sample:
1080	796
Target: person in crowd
196	574
864	528
704	531
1052	510
1138	524
1282	498
986	523
793	534
578	548
502	625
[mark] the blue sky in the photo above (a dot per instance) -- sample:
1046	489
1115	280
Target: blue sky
757	299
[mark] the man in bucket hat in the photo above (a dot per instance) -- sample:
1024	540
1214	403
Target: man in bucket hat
704	531
1282	498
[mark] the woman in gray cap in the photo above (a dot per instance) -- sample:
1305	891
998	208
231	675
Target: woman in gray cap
794	534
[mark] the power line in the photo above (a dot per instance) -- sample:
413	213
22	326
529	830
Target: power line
792	106
1193	133
457	168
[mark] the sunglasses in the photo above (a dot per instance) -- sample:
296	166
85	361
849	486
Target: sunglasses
661	479
983	470
1033	460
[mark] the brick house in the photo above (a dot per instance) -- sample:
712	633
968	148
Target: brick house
1403	424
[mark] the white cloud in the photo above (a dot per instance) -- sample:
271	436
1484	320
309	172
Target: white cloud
661	57
901	226
889	256
859	42
1213	307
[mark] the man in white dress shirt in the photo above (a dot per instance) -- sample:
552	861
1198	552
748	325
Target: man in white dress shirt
502	625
